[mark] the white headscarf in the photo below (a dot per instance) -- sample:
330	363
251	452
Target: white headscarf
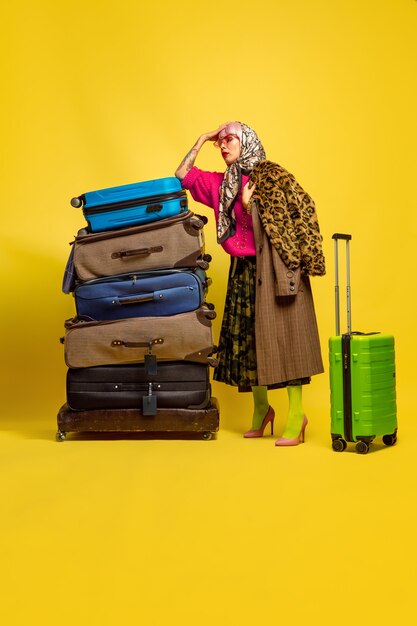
251	152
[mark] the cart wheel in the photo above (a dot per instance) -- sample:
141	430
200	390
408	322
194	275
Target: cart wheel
362	447
60	436
339	445
389	440
76	202
207	435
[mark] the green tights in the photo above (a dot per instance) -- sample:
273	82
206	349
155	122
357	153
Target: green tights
295	409
260	405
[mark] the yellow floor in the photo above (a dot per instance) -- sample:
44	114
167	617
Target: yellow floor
116	531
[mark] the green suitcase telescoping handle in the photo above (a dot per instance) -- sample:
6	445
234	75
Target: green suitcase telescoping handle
342	236
347	238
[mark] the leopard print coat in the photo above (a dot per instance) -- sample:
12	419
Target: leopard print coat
289	218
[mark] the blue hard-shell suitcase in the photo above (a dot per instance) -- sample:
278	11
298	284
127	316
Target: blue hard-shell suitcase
129	205
142	294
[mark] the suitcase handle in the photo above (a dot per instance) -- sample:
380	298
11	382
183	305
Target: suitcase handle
136	299
137	252
347	238
136	344
197	224
203	264
342	236
151	208
203	218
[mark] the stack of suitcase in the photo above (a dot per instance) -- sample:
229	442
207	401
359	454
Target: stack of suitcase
140	347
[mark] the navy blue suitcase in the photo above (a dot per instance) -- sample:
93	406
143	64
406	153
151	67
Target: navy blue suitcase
134	204
142	294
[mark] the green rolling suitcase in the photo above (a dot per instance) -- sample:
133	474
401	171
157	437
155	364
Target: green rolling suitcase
362	379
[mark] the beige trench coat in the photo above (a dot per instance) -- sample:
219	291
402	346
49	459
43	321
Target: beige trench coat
287	339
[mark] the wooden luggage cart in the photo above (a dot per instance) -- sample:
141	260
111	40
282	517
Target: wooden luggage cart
201	422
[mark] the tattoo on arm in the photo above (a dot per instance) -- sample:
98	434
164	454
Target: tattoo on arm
189	159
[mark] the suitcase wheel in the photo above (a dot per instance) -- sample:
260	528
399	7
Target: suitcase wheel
207	435
362	447
60	436
389	440
76	203
339	445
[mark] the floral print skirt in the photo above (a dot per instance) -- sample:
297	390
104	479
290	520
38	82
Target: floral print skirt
237	352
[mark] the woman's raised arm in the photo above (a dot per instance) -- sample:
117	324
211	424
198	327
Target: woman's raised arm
189	159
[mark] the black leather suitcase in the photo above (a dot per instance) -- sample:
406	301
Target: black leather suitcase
175	384
203	423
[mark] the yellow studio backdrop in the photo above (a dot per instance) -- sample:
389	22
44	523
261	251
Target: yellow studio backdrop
98	94
101	94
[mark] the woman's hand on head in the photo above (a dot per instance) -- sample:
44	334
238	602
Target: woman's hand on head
213	134
189	159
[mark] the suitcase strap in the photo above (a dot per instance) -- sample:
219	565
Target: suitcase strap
137	252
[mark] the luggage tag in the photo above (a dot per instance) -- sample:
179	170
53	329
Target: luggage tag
151	365
149	402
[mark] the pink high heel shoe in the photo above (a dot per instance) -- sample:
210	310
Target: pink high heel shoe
283	441
269	417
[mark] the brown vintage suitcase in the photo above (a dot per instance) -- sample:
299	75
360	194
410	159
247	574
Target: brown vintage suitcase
175	242
186	336
202	422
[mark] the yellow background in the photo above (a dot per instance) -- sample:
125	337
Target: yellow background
96	94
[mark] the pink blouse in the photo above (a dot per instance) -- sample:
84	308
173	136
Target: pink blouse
204	187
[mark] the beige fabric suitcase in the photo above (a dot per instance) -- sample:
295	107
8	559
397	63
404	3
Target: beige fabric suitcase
175	242
186	336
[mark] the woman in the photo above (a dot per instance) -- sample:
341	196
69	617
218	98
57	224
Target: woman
268	225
